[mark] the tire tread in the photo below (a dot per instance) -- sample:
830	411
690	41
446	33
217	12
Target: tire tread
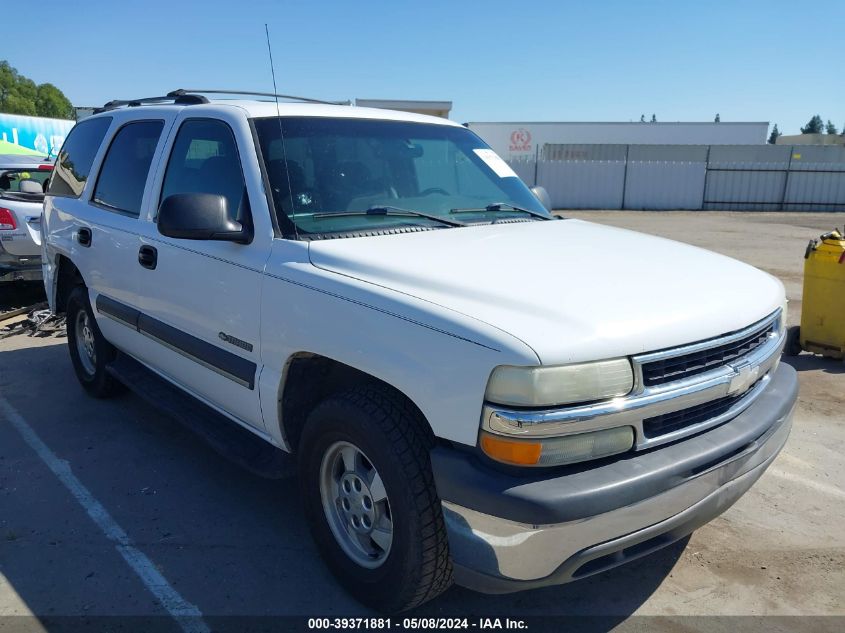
102	384
410	441
403	424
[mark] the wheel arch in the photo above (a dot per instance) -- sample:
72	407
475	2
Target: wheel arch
67	277
309	378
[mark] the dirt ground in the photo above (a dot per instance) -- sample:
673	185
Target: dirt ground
236	545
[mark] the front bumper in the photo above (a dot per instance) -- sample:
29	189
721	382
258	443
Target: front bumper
509	532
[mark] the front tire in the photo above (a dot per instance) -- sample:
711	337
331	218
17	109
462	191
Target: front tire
370	499
792	346
90	352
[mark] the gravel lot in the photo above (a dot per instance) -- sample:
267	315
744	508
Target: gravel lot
236	545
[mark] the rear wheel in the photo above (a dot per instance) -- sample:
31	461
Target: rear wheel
370	498
90	352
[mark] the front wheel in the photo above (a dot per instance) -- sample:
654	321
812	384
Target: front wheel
90	352
370	498
792	346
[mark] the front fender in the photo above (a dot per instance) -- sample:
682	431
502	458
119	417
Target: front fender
439	359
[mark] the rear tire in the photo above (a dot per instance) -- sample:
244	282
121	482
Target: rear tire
370	499
792	347
90	352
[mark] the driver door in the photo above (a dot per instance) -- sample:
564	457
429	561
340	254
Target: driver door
200	298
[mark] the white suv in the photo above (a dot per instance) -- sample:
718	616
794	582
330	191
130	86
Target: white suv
472	389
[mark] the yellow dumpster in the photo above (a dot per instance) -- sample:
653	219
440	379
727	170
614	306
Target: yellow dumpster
822	329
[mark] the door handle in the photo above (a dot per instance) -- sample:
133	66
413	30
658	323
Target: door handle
83	236
148	257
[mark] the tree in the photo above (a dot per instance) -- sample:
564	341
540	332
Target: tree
717	119
814	126
51	102
642	118
830	128
773	137
653	118
21	95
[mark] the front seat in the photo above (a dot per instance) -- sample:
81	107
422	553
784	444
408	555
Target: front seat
287	180
222	175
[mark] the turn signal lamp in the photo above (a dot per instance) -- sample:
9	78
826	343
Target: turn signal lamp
557	451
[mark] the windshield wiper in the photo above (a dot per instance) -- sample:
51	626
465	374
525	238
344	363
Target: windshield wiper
497	207
391	211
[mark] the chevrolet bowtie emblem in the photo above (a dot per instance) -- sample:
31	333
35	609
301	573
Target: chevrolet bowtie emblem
744	376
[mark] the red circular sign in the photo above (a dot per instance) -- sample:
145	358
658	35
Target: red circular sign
520	140
521	137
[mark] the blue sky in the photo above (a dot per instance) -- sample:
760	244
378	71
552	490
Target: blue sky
497	61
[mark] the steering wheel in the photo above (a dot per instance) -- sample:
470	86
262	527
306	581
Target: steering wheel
431	190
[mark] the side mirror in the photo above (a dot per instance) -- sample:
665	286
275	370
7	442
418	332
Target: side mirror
543	196
199	216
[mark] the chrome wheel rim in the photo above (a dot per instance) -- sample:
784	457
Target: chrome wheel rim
356	505
85	342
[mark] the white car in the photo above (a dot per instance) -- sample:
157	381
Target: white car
472	389
22	183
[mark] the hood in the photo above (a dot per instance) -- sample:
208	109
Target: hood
571	290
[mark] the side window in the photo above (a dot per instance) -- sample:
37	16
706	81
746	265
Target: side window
205	160
76	156
120	185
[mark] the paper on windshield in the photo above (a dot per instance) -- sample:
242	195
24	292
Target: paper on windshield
494	162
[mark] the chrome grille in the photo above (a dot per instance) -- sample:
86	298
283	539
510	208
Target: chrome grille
680	407
677	420
673	368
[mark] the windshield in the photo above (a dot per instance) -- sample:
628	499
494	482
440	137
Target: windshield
329	172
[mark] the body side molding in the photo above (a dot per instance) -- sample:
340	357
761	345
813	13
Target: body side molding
221	361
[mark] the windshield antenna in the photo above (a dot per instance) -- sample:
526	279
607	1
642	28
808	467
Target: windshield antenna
281	134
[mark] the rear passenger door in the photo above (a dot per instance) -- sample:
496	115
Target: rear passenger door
66	209
105	227
200	304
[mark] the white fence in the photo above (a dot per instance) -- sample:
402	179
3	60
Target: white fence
735	177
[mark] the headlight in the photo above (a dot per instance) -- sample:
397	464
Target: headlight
564	384
556	451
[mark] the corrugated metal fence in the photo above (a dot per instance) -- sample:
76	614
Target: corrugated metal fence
735	177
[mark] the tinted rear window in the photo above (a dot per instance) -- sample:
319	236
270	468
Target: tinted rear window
120	185
77	156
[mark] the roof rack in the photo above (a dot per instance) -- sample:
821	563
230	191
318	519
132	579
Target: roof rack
197	91
184	96
181	98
